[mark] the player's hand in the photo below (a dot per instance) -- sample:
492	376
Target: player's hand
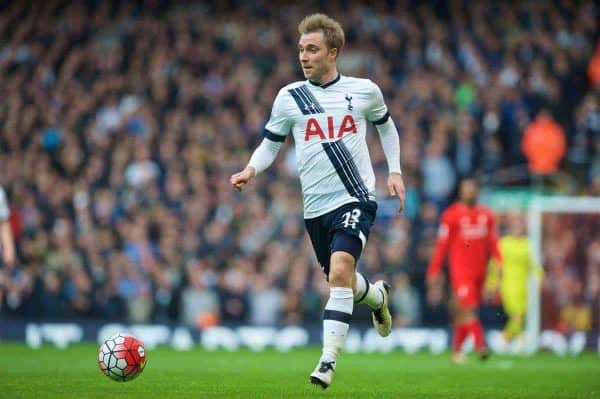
434	290
500	271
396	188
433	281
8	256
238	180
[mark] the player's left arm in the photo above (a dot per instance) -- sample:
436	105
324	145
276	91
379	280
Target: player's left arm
379	115
532	266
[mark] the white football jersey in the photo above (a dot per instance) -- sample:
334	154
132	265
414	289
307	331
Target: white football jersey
329	125
4	211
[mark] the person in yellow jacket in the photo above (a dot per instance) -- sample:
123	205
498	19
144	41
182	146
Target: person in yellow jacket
514	248
516	266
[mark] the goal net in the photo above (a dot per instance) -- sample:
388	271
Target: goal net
563	303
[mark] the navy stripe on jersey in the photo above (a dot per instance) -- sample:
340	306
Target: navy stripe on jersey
311	98
273	137
353	169
338	167
383	119
307	103
300	102
346	170
312	103
351	166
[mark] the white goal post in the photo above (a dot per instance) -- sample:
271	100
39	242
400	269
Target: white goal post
537	207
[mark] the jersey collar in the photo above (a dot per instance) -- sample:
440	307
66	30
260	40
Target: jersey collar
326	85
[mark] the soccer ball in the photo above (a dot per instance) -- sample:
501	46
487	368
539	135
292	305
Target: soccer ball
122	357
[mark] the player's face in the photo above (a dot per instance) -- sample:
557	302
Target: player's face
516	224
315	58
469	191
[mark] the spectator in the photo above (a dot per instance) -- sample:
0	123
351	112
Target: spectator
439	177
233	295
594	68
52	300
575	316
544	145
405	302
199	302
266	302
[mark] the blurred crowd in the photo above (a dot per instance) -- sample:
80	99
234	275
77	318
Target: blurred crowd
571	283
121	122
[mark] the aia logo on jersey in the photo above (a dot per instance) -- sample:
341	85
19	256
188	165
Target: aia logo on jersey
313	128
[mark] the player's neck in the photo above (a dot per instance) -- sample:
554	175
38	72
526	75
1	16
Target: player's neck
326	79
469	204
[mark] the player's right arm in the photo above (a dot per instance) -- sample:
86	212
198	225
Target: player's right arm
276	129
6	237
434	280
441	247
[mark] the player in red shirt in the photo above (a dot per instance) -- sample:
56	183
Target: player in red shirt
467	234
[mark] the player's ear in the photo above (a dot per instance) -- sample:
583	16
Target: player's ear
333	53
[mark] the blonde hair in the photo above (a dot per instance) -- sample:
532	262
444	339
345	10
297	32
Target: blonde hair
332	30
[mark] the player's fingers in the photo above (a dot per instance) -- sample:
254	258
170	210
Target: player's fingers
392	190
236	179
401	194
399	190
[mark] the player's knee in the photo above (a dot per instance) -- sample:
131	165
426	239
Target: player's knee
464	313
341	270
339	278
469	314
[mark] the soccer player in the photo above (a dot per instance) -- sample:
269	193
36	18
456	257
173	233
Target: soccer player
517	264
6	238
327	115
467	234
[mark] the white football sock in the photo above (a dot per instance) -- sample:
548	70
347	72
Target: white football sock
336	321
367	293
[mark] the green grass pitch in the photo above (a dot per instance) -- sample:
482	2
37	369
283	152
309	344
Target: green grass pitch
73	373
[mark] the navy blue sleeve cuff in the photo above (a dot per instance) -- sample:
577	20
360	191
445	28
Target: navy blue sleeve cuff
383	119
273	137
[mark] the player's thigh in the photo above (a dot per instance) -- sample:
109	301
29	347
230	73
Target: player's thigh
336	231
351	227
467	294
514	301
319	231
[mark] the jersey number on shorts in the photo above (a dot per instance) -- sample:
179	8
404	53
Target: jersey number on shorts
351	218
